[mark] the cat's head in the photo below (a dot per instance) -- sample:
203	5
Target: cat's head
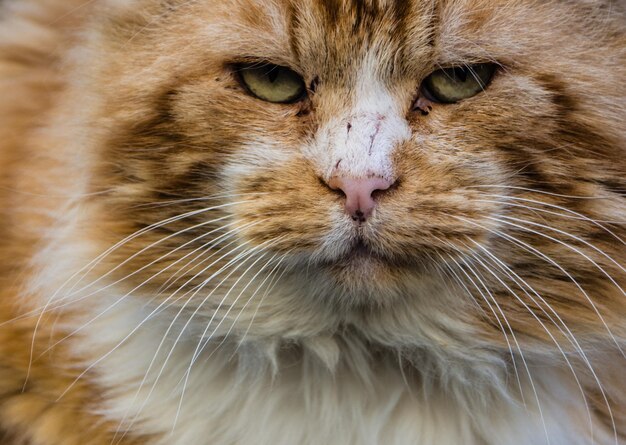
288	167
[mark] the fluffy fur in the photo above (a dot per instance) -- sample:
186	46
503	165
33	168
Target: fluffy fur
175	270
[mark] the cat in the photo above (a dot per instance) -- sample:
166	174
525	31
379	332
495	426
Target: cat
312	222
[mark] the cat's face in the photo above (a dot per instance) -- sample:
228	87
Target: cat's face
315	167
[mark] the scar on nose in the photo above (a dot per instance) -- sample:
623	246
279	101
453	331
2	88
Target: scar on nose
373	137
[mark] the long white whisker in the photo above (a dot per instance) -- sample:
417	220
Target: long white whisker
254	294
497	318
194	291
572	214
98	316
569	335
92	365
143	283
458	280
90	266
573	338
169	283
548	259
223	318
206	246
93	263
238	258
202	343
159	241
269	289
204	198
532	384
504	220
539	191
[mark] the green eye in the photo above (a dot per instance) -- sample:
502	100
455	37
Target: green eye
273	83
451	85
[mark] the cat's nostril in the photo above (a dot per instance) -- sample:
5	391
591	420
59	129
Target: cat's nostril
360	194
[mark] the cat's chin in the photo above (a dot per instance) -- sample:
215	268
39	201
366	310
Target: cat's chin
362	270
362	261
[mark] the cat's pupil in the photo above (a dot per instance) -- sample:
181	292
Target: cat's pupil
459	74
273	75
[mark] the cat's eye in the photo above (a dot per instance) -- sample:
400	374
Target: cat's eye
450	85
273	83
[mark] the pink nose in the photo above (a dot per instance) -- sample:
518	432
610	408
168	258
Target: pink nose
359	200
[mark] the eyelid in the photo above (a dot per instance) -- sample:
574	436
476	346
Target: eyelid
254	62
428	89
237	66
247	72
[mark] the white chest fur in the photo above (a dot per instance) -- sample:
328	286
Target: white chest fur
227	401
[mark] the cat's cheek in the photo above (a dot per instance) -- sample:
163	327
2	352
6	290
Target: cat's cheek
282	203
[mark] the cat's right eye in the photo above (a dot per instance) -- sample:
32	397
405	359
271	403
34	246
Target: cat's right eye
272	83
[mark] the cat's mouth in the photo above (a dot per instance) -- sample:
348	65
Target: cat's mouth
358	262
360	248
367	254
362	251
362	256
355	251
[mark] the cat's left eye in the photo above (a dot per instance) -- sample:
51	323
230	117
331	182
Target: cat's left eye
273	83
450	85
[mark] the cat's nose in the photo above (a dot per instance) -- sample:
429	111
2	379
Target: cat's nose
359	193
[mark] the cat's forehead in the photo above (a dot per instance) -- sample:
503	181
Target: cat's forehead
340	35
337	35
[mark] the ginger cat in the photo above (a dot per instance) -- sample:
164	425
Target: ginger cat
312	222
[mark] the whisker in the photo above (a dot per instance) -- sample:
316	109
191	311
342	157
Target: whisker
143	283
569	335
203	198
504	220
254	294
577	215
497	318
532	384
202	343
548	259
573	338
543	192
91	265
223	317
194	291
108	309
205	246
273	282
480	279
183	270
238	258
159	241
199	348
91	366
458	280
